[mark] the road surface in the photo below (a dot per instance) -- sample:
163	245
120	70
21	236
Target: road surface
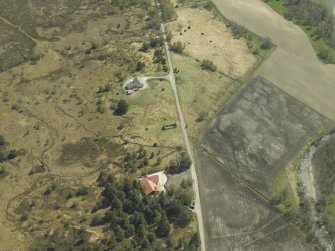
171	78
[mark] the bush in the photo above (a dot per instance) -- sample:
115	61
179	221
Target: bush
324	55
2	171
180	164
237	30
122	108
266	43
2	141
12	154
177	47
82	191
139	66
24	216
201	116
208	65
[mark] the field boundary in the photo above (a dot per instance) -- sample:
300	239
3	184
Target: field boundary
237	177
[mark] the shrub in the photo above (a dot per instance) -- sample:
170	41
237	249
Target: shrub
2	171
266	43
122	108
12	154
201	116
237	30
208	65
177	47
82	191
2	141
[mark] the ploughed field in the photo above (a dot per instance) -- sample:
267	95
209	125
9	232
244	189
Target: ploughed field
258	132
235	219
254	136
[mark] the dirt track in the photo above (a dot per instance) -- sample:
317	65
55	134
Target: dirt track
293	67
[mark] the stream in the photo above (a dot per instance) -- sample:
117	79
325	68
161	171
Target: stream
307	189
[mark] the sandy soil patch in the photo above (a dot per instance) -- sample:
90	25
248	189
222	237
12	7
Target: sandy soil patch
208	38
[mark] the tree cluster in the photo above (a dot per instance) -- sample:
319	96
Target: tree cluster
168	10
152	44
138	159
237	30
177	47
6	154
137	221
314	15
122	108
181	163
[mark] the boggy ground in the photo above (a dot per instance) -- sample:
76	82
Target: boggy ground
258	132
237	220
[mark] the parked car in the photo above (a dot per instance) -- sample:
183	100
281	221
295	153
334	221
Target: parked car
192	206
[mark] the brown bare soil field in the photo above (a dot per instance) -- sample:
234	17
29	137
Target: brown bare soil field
206	37
237	220
293	67
255	140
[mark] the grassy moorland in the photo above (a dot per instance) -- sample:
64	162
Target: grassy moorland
315	20
66	119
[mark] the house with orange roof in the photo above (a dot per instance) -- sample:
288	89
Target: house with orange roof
153	183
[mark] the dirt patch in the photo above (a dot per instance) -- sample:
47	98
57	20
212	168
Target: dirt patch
252	137
206	37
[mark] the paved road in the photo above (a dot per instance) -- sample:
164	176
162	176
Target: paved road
293	67
171	78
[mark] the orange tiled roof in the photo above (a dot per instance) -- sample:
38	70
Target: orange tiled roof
148	185
154	179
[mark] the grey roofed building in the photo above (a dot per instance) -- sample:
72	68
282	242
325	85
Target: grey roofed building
134	85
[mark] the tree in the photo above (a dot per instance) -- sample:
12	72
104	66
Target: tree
195	240
82	191
237	30
139	66
208	65
2	141
2	171
122	107
185	217
12	154
119	233
163	228
177	47
180	164
266	43
158	55
185	196
324	55
168	10
201	116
